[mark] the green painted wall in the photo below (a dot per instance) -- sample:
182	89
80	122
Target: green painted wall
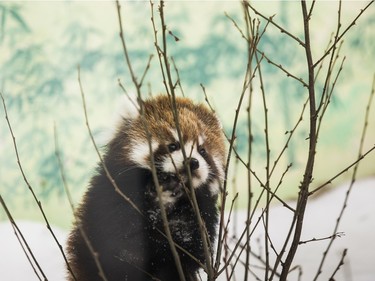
42	43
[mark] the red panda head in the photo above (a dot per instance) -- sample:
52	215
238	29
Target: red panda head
154	133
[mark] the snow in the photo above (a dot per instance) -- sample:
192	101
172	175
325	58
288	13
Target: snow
358	226
14	265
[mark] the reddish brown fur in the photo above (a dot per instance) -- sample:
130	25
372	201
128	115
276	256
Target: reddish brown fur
194	120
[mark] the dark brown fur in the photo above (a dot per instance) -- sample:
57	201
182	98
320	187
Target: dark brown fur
130	245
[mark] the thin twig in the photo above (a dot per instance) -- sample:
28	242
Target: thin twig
245	234
339	265
338	234
259	258
263	185
39	203
146	70
158	49
23	243
107	172
288	74
249	75
311	8
369	151
169	85
322	62
325	98
86	239
138	86
255	42
270	20
327	101
231	145
251	34
61	168
291	133
126	54
226	247
206	98
299	269
298	218
268	237
178	82
343	33
268	178
354	175
132	101
108	175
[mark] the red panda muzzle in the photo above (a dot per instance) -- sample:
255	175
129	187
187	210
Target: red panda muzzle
193	163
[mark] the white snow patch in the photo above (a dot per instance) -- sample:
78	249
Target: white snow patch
14	265
358	224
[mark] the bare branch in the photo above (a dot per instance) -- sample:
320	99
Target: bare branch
108	174
23	243
288	74
326	96
354	175
126	54
268	178
127	95
251	33
343	33
311	8
178	82
61	168
206	98
39	204
339	265
321	63
86	239
342	171
304	188
263	185
171	89
291	134
138	86
270	20
146	70
338	234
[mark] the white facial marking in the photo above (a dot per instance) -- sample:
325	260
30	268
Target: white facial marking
174	133
174	162
191	149
140	152
201	139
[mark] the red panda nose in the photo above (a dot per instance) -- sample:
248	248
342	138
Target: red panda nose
193	163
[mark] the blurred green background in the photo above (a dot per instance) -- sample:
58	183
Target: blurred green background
42	43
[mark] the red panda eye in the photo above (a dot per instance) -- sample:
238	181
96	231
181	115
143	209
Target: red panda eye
173	146
202	151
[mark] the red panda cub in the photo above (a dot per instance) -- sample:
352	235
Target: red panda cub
129	241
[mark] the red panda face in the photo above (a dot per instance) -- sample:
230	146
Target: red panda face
170	159
194	147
